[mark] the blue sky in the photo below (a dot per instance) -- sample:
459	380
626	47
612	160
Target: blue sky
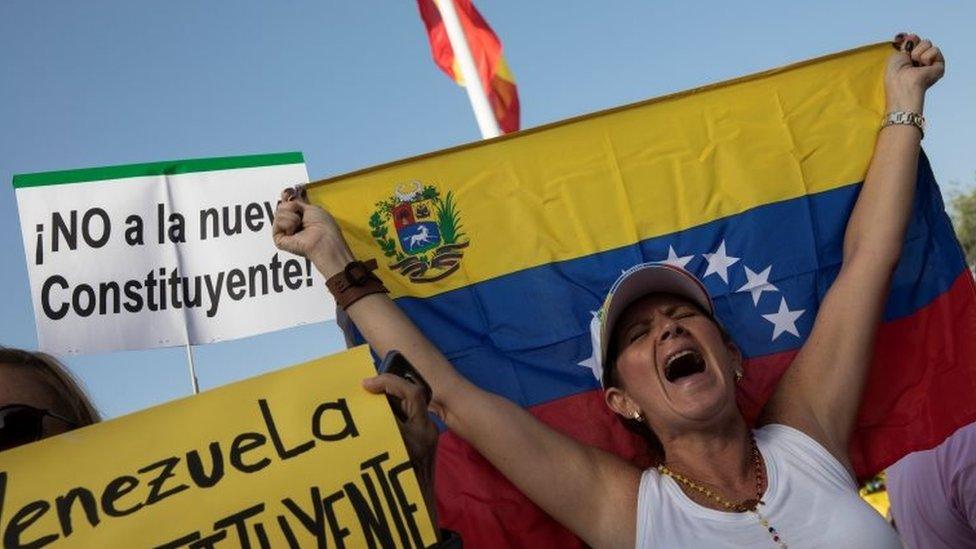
352	84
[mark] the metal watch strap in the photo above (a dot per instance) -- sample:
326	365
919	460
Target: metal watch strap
904	118
354	282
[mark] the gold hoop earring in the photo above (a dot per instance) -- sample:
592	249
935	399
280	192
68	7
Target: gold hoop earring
638	416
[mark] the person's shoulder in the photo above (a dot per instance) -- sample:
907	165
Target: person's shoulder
648	499
803	451
959	448
650	479
649	491
780	434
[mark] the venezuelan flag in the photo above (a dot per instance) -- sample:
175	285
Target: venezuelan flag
486	49
510	246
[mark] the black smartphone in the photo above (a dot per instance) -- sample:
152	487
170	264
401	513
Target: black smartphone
398	365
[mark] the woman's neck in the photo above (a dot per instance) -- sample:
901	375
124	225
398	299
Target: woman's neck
720	458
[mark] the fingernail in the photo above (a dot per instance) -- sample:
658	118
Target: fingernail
899	37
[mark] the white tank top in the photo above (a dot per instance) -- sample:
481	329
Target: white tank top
810	498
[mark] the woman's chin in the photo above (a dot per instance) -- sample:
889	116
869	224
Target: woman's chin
700	397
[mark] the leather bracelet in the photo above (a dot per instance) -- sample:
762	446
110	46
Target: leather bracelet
904	118
355	282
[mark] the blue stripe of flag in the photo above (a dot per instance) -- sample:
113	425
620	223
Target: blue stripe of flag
522	335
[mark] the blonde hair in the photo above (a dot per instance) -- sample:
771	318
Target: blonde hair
76	405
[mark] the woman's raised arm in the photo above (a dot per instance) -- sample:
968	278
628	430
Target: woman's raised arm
589	491
821	391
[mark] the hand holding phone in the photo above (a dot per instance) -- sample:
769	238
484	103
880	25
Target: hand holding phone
410	403
396	364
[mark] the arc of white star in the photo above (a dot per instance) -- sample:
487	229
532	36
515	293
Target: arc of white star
719	263
784	320
757	284
591	362
676	261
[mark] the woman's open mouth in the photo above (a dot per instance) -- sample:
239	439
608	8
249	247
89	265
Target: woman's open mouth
683	364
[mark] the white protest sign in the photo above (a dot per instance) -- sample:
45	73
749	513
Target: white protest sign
163	254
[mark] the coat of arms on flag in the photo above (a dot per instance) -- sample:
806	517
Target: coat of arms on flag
427	242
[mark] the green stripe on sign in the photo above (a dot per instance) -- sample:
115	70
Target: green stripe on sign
170	167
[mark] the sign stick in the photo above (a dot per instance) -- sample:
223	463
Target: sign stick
193	371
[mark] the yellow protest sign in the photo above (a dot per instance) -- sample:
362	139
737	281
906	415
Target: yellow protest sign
298	457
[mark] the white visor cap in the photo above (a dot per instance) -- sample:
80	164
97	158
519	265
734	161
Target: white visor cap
636	282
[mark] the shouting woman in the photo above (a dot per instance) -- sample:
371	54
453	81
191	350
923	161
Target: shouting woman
671	368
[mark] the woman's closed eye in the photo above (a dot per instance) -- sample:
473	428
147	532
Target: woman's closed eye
636	333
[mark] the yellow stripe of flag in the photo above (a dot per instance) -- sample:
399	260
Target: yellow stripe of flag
612	178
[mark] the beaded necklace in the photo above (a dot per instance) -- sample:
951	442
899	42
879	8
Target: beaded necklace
750	505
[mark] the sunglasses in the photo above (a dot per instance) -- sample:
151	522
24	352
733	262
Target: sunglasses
21	424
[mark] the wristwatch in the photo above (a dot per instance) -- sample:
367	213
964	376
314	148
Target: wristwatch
354	282
906	118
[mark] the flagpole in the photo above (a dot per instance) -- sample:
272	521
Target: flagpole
193	371
469	71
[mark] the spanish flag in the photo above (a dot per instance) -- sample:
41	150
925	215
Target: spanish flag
511	244
486	49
